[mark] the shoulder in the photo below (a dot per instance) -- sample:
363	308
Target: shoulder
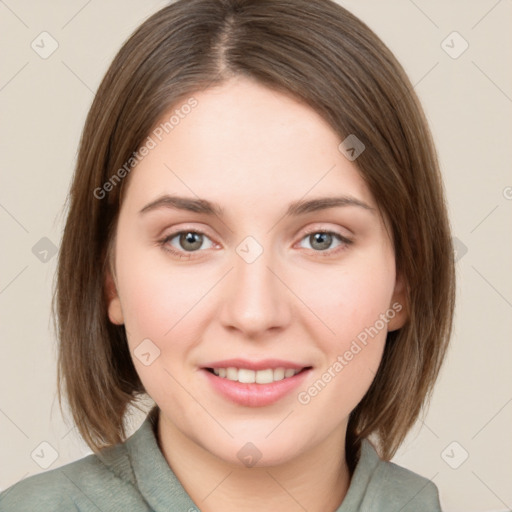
391	487
85	485
407	490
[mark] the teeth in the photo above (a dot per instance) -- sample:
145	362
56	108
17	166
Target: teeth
246	376
279	373
251	376
264	376
231	373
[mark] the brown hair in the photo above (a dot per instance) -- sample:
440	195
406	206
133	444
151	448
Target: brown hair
322	54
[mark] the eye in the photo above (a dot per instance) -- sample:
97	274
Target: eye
322	240
183	242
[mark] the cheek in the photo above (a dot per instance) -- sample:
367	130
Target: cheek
160	304
355	309
350	300
158	299
148	305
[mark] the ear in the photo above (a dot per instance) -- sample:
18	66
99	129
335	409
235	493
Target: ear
115	313
398	305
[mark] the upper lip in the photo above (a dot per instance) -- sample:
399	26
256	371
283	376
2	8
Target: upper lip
255	365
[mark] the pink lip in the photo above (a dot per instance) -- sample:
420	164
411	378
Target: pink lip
255	365
254	395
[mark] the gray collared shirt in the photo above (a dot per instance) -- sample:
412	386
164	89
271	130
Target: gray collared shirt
134	476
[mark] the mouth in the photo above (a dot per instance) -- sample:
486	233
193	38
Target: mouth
248	376
254	384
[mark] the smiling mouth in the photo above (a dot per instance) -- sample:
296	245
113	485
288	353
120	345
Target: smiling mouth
265	376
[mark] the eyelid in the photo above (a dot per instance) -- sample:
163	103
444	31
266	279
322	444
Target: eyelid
332	252
188	229
324	227
164	240
328	231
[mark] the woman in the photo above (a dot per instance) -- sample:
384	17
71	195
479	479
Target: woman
257	239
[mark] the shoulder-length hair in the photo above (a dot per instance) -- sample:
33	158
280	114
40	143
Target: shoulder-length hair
320	53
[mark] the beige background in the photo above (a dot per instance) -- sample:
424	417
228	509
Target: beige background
468	100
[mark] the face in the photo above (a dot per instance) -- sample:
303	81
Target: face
251	316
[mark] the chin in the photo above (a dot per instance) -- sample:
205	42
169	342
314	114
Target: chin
255	451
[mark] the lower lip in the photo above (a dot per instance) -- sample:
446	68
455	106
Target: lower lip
255	395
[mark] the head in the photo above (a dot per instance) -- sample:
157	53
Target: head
246	104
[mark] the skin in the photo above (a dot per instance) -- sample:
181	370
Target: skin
253	151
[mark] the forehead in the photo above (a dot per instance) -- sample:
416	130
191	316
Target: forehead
247	142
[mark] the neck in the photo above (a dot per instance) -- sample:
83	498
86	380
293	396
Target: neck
316	480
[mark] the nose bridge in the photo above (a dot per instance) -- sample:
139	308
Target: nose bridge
255	299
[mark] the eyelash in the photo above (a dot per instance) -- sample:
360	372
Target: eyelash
326	253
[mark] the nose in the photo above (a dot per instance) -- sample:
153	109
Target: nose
256	300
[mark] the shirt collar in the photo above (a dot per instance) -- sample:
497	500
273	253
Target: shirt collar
156	481
360	481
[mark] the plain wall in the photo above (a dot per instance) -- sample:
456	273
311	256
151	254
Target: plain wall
468	101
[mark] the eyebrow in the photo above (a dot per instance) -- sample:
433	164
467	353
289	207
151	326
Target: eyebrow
295	208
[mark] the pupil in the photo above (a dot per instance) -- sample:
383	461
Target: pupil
192	238
324	239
